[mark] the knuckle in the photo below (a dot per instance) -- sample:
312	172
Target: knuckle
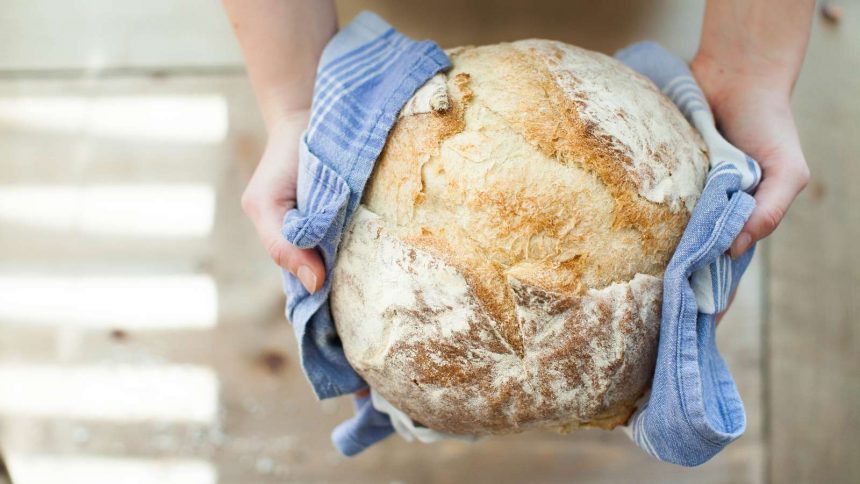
803	175
771	216
249	204
279	253
796	174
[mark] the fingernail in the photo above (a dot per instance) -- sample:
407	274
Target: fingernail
308	278
740	245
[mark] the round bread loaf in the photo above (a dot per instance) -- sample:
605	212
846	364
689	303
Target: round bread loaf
504	270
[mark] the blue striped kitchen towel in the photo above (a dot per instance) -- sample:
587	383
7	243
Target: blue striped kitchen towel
694	409
367	72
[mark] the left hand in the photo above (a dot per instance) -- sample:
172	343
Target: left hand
272	192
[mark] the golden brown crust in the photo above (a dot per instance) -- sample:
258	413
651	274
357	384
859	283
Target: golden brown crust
540	215
427	345
573	139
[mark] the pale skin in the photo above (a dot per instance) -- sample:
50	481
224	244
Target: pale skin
750	54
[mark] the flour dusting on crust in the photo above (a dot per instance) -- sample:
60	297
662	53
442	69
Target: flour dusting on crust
504	269
416	331
640	122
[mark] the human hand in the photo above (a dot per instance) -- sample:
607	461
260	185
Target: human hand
271	192
757	118
754	114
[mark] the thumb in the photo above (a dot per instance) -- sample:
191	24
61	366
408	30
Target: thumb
305	264
773	197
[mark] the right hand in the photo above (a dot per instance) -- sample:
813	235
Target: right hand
272	192
755	115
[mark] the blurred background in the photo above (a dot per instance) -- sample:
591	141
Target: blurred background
142	336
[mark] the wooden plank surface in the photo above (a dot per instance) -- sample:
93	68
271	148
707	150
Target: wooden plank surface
814	318
268	426
99	35
604	26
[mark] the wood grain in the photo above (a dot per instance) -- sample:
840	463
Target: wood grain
270	427
814	318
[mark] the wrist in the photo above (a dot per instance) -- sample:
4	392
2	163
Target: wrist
282	104
281	120
723	81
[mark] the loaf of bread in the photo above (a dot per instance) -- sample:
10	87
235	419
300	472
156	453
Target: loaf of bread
504	269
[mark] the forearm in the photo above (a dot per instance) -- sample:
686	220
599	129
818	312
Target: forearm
749	58
281	42
759	41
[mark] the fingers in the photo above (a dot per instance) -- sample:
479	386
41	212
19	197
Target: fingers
773	197
302	263
267	217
